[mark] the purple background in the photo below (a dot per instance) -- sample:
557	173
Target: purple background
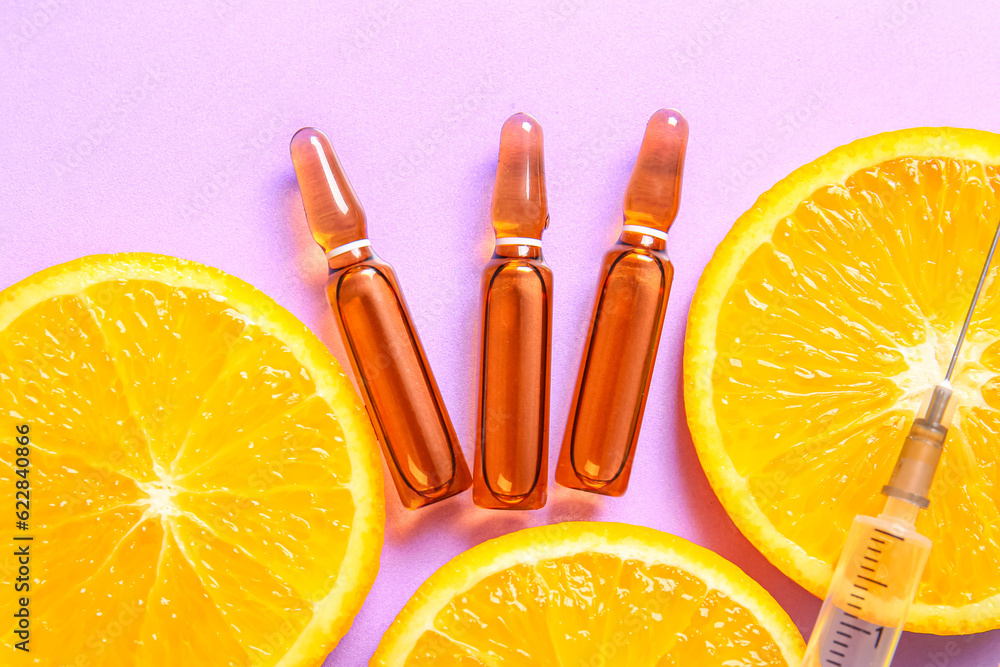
165	128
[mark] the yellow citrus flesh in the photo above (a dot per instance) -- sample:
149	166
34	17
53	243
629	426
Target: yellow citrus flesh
204	484
589	594
824	317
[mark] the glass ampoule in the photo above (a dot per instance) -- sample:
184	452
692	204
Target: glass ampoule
610	396
416	435
511	462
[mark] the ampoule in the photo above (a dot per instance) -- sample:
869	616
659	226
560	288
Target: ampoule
511	462
410	419
617	365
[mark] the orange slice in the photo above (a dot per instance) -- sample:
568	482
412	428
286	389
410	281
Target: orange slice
204	484
590	594
825	315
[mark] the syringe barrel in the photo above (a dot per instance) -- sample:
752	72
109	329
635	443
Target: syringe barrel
873	585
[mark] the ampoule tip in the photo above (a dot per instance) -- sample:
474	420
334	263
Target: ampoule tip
654	190
519	206
333	211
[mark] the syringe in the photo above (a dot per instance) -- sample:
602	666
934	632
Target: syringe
879	570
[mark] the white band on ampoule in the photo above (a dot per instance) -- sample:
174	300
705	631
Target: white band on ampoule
519	240
347	247
648	231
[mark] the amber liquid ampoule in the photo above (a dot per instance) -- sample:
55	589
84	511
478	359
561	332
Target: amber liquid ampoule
610	395
410	420
511	463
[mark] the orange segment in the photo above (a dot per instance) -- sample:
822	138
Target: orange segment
265	601
297	533
205	485
723	632
482	626
587	594
292	450
643	629
108	626
143	318
261	381
57	354
822	320
167	636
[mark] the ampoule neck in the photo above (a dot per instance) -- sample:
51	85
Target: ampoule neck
511	251
647	239
342	260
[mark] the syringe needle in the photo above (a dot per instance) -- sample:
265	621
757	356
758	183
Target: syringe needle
972	306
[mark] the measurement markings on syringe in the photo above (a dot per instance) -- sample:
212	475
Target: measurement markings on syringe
843	644
871	580
842	648
888	534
